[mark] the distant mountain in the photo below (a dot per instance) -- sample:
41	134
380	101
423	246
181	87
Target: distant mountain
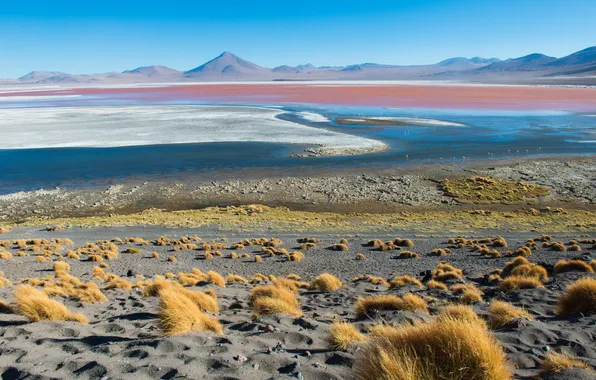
227	65
35	76
153	71
531	62
462	63
533	68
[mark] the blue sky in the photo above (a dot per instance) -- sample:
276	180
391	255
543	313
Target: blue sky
90	37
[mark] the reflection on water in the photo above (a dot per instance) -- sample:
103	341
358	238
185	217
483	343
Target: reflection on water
488	134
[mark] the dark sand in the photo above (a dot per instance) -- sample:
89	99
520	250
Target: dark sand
123	338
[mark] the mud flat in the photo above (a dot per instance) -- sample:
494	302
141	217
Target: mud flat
149	125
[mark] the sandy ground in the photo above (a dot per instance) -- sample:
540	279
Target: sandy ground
123	338
26	128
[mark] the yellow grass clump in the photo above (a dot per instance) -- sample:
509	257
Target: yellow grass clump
172	259
5	308
344	334
375	280
522	267
36	306
573	266
118	283
578	297
236	278
437	350
326	282
179	314
296	256
555	362
61	265
432	284
512	283
340	247
5	255
403	280
501	313
272	299
360	256
462	313
366	306
409	255
155	255
216	279
445	272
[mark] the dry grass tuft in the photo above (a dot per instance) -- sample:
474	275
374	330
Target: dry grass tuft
340	247
512	283
360	256
5	308
489	190
37	306
61	265
344	334
155	255
366	306
375	280
272	299
554	362
116	282
216	279
172	259
578	297
445	272
232	278
5	255
296	256
179	314
573	266
403	280
501	313
325	282
461	313
522	267
258	259
432	284
440	349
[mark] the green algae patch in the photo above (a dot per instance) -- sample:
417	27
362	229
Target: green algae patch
259	217
486	190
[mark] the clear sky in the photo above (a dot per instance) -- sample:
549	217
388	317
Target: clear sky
98	36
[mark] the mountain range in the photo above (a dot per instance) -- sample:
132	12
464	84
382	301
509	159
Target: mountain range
229	67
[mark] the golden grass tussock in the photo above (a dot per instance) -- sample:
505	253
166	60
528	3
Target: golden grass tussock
512	283
403	280
522	267
555	362
409	255
440	349
216	279
155	255
344	334
460	312
61	265
5	308
501	313
445	272
573	266
172	259
578	297
179	314
272	299
36	306
5	255
258	259
340	247
325	282
116	282
234	278
4	281
375	280
432	284
366	306
360	256
296	256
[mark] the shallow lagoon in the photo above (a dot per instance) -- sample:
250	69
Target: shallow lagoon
488	134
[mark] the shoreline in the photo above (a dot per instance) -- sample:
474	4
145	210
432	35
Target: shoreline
415	188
